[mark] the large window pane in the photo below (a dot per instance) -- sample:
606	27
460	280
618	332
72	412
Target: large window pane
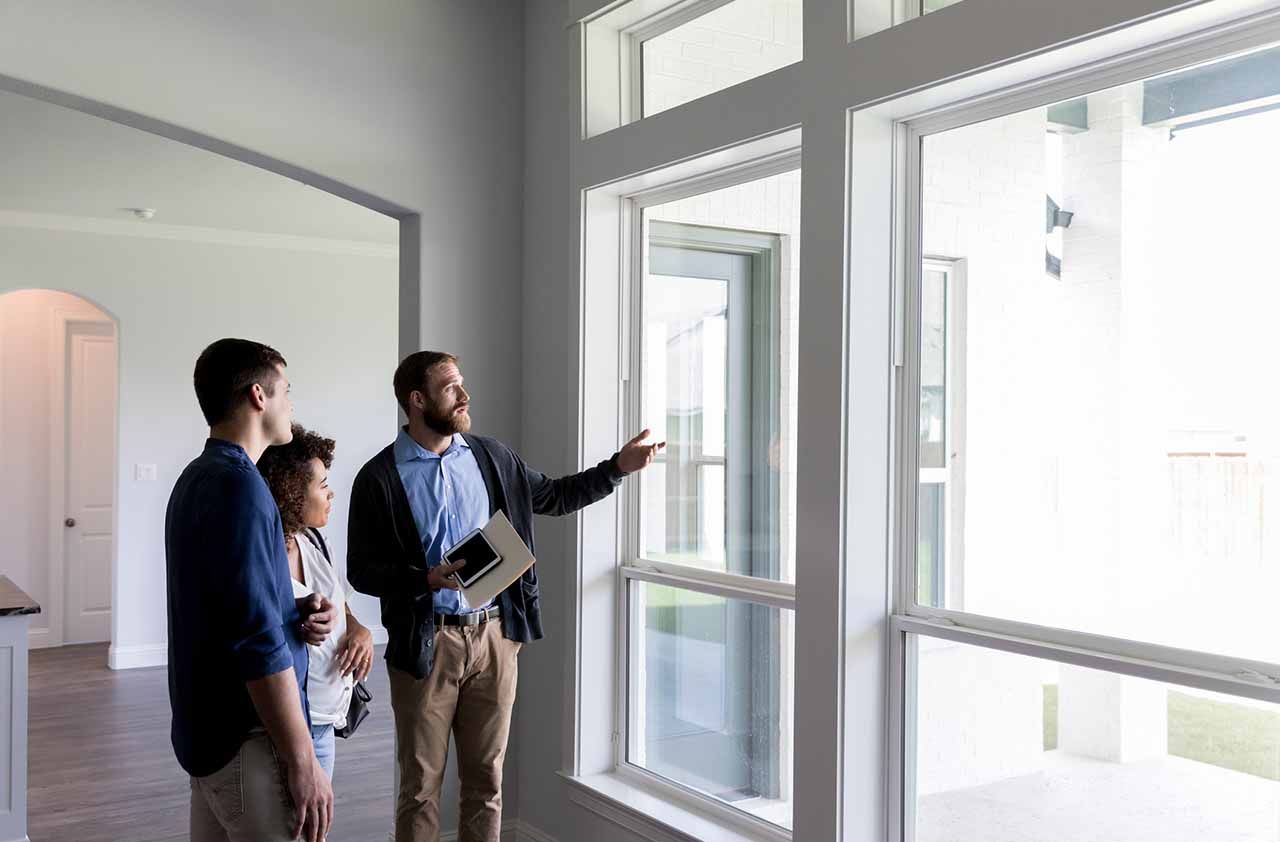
711	684
716	379
1120	432
1016	749
730	44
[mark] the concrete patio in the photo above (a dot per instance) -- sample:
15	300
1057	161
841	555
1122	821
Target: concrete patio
1083	800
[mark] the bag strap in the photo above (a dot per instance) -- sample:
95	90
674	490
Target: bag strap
316	538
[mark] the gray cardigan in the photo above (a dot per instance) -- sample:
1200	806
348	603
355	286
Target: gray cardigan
385	557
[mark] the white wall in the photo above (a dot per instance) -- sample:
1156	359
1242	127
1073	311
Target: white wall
333	317
406	106
26	370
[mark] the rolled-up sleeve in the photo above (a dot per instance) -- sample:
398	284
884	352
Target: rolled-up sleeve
252	610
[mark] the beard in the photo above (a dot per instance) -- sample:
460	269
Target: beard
444	422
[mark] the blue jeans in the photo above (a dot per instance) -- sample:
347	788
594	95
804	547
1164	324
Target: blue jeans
322	737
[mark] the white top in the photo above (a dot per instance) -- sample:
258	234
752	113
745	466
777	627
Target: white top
328	693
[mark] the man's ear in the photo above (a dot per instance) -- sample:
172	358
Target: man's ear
257	397
417	399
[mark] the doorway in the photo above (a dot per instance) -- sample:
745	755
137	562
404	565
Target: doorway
58	399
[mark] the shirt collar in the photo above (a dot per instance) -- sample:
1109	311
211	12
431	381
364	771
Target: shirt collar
408	450
224	446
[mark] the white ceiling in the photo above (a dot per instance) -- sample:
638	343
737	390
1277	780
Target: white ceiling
57	161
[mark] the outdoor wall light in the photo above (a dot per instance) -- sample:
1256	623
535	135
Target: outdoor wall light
1054	216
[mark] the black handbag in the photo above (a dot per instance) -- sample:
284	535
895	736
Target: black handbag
358	710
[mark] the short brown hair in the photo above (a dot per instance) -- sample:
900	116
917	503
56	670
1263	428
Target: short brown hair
226	370
287	470
411	374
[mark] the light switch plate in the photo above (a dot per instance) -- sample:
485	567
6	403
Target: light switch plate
144	473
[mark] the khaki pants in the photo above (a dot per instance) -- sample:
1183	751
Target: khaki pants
245	801
470	691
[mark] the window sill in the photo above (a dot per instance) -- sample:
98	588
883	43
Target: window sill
651	816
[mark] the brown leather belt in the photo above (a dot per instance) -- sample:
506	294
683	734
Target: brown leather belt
471	618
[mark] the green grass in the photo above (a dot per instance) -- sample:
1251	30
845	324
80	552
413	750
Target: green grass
1050	717
1223	734
690	614
1232	736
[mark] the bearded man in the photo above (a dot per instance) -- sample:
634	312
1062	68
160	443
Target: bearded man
453	666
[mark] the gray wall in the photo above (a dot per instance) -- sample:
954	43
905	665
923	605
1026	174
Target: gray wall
547	418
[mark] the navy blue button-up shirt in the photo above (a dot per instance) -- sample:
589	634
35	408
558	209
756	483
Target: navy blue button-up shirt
448	498
232	616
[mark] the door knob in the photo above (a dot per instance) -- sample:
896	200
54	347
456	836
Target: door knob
70	522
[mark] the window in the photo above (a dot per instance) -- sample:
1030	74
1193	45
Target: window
648	56
707	704
1013	748
942	344
880	511
1083	612
724	44
709	365
709	677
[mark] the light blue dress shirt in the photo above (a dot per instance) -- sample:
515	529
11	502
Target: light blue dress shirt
448	498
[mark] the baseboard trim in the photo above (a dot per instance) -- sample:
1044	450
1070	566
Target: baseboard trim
513	830
137	657
39	638
525	832
157	654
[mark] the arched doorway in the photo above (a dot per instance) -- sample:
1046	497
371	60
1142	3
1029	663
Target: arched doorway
58	420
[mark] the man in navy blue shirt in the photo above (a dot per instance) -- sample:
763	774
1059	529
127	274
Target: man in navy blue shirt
237	654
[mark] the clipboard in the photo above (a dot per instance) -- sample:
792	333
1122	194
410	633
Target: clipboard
516	558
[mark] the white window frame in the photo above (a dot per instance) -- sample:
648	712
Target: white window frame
1219	673
634	567
612	257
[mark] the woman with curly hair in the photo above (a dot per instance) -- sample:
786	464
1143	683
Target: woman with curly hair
298	475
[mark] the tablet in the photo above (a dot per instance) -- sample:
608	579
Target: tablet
479	555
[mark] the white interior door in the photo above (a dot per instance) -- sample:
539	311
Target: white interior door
90	478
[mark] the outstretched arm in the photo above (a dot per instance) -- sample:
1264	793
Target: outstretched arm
566	495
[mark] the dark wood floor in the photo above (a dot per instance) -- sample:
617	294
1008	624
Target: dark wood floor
101	766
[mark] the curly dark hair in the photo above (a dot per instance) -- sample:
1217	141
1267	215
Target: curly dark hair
287	470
